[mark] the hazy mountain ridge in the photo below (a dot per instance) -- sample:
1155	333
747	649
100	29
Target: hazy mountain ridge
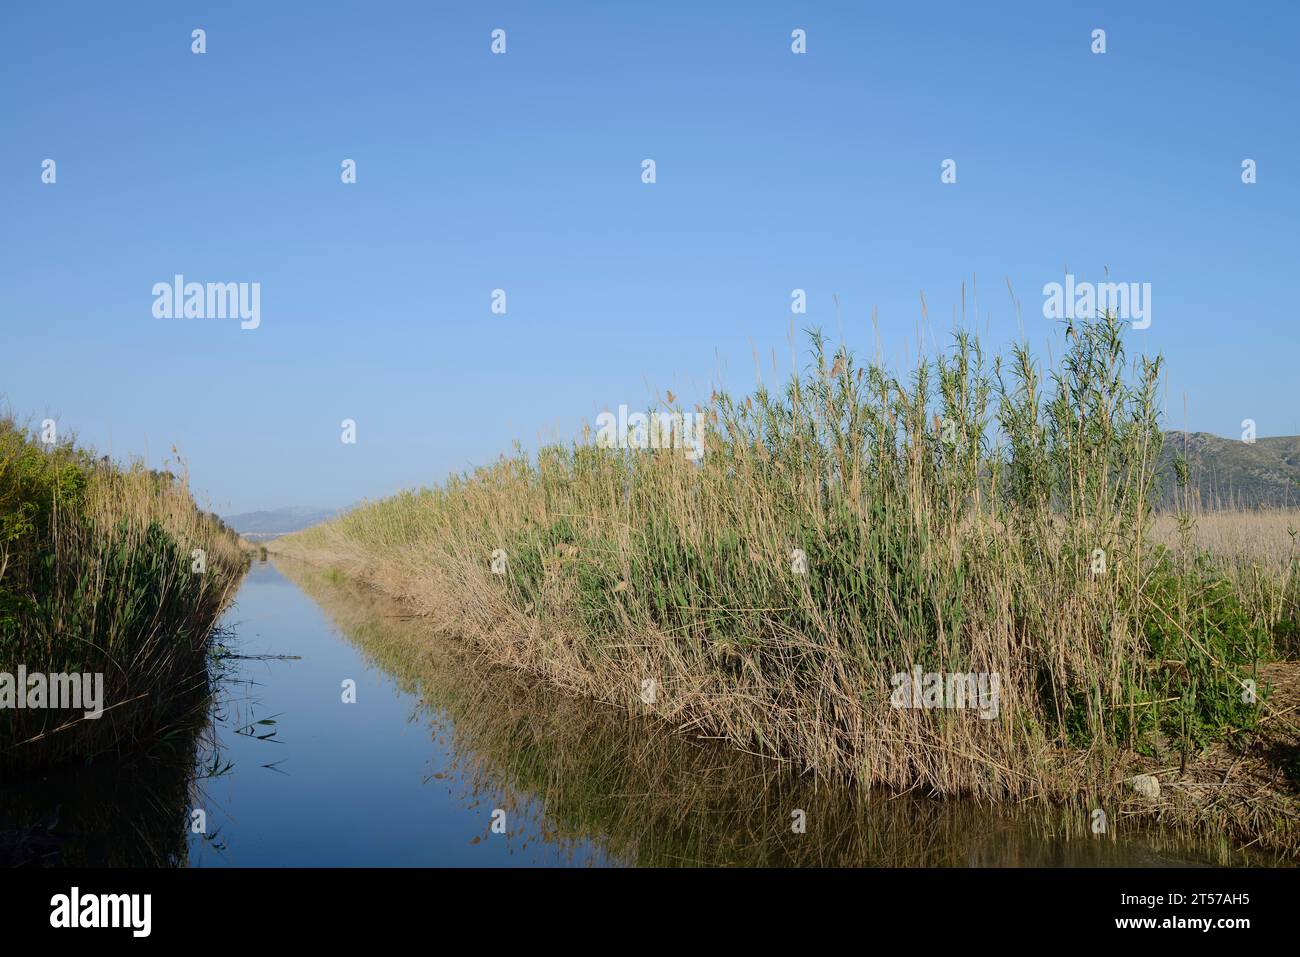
271	523
1230	472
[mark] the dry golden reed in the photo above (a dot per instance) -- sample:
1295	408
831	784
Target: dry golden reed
974	517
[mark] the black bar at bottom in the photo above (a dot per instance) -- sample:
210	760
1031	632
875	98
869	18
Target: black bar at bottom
942	907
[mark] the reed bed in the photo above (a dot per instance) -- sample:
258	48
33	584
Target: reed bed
973	516
110	570
573	772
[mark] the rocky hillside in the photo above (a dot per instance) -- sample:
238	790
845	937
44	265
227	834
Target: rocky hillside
1230	472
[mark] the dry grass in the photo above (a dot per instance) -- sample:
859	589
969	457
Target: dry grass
1268	537
573	773
927	546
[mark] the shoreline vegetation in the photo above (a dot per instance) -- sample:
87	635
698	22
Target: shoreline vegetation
105	570
576	773
971	517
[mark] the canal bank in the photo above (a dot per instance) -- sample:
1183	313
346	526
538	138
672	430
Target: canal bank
344	733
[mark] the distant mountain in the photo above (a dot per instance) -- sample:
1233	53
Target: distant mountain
1230	472
261	526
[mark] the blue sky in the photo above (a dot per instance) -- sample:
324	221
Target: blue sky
775	171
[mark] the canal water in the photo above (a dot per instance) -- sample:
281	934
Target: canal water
344	733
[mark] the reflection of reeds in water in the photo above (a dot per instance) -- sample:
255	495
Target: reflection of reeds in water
118	812
571	771
125	810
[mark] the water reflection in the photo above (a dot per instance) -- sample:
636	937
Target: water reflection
127	812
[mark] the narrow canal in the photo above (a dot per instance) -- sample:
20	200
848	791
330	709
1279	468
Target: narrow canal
343	733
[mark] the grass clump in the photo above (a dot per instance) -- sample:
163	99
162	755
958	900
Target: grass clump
103	570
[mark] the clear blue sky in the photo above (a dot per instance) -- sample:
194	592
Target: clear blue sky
775	171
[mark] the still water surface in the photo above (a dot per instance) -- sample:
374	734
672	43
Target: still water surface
373	782
287	773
